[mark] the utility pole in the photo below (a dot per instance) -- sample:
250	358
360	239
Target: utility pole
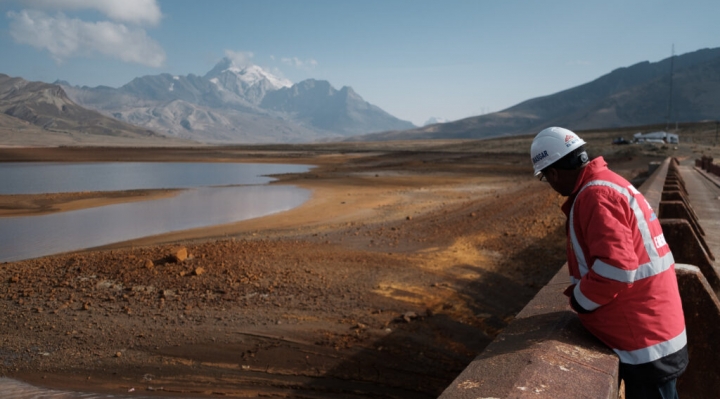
669	107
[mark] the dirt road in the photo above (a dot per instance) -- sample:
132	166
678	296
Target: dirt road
403	266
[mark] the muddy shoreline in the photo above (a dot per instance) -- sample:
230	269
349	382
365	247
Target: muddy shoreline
402	267
44	204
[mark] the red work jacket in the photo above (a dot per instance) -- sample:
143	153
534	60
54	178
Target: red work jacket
622	269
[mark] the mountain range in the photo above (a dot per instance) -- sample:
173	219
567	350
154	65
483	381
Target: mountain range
233	104
33	112
683	88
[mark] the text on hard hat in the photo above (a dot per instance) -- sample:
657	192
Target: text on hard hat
539	156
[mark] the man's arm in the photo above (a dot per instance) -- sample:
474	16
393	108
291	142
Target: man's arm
606	227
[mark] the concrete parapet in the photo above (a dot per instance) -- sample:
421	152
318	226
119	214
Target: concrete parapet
706	163
674	180
702	323
680	210
679	207
713	178
544	353
686	248
652	188
714	169
677	196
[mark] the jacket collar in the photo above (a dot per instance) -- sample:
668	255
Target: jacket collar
593	167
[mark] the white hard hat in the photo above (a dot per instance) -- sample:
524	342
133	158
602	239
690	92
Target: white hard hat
550	145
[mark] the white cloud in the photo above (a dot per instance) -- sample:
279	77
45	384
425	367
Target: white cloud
300	64
140	12
64	37
239	58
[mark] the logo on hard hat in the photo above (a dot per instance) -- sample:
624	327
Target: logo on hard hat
570	140
540	156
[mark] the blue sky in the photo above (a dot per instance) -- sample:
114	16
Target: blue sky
415	59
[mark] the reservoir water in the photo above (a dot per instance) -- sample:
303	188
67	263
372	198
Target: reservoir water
216	193
50	177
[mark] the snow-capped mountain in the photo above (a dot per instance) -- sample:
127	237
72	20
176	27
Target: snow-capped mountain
435	120
251	81
249	75
238	104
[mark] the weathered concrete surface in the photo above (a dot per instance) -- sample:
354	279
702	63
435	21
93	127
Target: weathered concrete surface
686	248
652	188
675	186
702	321
678	196
713	178
544	353
704	190
678	210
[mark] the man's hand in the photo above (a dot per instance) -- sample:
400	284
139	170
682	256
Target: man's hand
569	291
573	302
576	306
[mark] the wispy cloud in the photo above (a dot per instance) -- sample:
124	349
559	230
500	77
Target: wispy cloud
121	37
139	12
64	37
300	64
239	58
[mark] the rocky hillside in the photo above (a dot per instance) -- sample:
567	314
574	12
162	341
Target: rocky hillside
45	112
631	96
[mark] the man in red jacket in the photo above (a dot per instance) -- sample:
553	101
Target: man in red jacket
624	287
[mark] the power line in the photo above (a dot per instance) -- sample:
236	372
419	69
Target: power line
670	95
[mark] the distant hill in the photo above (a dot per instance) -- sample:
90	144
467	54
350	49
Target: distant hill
631	96
45	112
233	104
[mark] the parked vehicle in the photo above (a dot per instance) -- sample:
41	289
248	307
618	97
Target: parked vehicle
656	137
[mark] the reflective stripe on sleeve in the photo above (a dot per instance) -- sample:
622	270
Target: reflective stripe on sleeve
577	249
630	276
583	300
656	262
654	352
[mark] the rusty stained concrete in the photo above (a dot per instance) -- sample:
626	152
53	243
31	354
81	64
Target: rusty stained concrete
702	323
544	353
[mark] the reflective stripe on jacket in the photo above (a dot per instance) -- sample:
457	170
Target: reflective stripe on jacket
622	268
